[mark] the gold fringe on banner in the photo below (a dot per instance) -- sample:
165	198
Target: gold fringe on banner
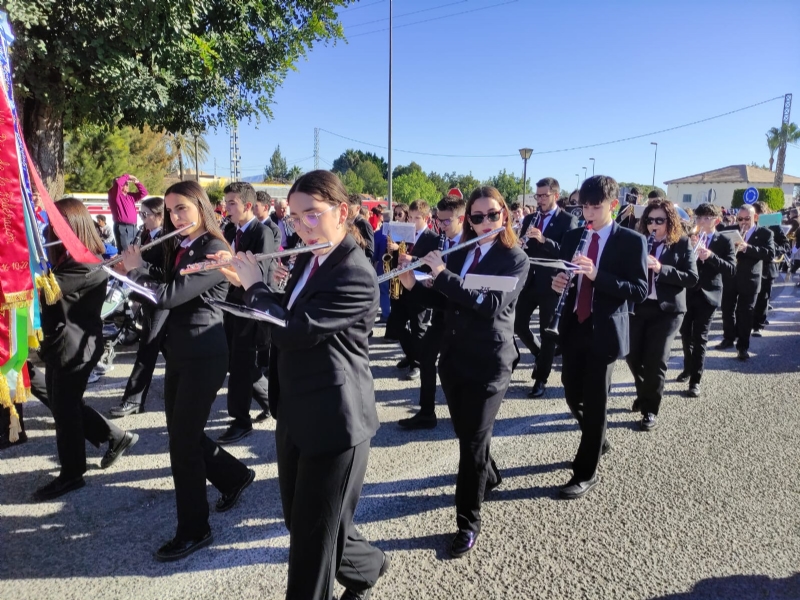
5	394
22	394
14	428
49	285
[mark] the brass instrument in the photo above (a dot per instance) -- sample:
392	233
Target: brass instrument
211	265
395	287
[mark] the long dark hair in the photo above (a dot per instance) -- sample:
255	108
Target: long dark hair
507	237
674	228
80	221
192	191
328	188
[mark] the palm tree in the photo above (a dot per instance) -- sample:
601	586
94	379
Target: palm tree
193	146
789	134
294	173
773	143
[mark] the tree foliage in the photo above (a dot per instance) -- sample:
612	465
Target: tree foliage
350	158
413	186
352	182
774	197
370	174
644	188
276	170
509	185
405	170
96	156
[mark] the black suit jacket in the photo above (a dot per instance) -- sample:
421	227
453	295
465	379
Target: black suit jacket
72	327
276	231
678	273
478	343
750	263
258	239
711	271
427	242
154	255
782	246
621	282
194	328
320	383
367	234
541	278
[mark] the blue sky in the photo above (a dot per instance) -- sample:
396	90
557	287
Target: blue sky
547	75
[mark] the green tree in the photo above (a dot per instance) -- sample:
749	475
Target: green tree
773	143
174	65
95	156
466	183
276	170
413	186
370	174
644	188
350	158
352	182
183	146
294	173
789	133
405	170
509	185
216	193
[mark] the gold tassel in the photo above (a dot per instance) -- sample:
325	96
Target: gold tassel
49	285
21	394
5	394
33	342
14	428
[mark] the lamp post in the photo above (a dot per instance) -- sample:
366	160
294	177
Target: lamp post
578	185
655	157
389	153
525	153
591	159
584	173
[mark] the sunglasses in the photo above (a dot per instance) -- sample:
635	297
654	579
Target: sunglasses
444	222
477	219
310	220
745	220
656	220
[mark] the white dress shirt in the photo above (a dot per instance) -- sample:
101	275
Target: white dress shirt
471	256
304	277
659	251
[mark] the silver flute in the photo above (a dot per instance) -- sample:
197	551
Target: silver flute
418	263
118	258
211	265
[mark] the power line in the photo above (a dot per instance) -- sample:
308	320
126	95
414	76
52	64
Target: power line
465	12
352	8
416	12
627	139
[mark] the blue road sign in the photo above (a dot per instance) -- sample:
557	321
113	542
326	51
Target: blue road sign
751	195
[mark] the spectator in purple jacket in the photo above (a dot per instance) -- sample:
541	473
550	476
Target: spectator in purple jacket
123	209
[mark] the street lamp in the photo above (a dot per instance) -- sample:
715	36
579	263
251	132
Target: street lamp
578	185
654	162
525	153
591	159
584	173
389	149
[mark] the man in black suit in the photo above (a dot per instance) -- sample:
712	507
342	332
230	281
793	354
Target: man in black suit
246	381
594	327
545	230
261	212
716	257
769	272
363	226
413	314
739	292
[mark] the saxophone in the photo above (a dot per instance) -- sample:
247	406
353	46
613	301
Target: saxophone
395	287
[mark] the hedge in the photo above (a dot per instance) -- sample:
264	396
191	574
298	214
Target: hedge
772	196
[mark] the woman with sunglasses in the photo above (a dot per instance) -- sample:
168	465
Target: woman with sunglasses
196	353
478	351
153	318
671	271
321	392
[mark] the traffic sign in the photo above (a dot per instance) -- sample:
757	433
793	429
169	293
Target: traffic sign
751	195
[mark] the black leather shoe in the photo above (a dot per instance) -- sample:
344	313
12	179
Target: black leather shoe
637	406
724	345
683	377
404	364
743	355
576	488
262	416
125	409
607	447
234	433
694	391
538	390
367	593
176	549
228	501
756	333
116	450
413	373
648	422
463	543
418	421
57	488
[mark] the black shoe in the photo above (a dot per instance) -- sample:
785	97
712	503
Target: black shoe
576	488
234	433
757	333
683	377
262	416
463	543
116	450
176	549
537	391
418	421
403	364
743	355
607	447
367	593
648	422
57	488
413	373
767	322
724	345
694	391
636	406
125	409
227	501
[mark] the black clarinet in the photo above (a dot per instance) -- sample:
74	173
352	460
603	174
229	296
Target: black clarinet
442	241
553	329
650	241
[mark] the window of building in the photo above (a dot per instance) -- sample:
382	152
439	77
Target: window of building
687	198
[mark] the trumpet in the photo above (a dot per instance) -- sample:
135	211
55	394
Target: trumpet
118	258
418	263
581	249
211	265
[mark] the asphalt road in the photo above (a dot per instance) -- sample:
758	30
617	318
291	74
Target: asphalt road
705	507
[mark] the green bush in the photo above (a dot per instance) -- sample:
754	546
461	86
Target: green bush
215	193
772	196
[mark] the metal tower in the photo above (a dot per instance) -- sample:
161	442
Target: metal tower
787	111
316	148
235	156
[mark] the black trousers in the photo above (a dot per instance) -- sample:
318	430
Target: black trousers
147	355
410	337
529	301
762	304
652	332
124	233
319	494
737	313
586	378
430	345
694	335
245	371
473	409
190	387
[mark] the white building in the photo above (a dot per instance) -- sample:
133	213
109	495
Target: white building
718	185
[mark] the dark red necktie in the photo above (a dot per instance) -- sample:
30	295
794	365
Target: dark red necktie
314	267
475	260
182	250
238	241
650	272
540	221
584	306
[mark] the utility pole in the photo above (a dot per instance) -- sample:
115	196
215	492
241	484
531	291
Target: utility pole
316	148
389	199
781	162
235	157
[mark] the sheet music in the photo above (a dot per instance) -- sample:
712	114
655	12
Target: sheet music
401	232
246	312
734	234
139	289
494	283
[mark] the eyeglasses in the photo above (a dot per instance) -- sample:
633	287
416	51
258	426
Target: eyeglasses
477	219
310	220
743	219
656	220
399	215
705	218
542	196
444	222
145	214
